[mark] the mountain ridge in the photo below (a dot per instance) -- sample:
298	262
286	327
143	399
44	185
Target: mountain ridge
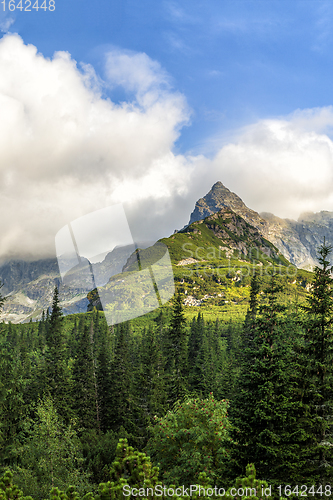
228	225
296	240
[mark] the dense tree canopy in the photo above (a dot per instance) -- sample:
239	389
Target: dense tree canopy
72	387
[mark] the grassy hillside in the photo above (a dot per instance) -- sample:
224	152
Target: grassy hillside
213	261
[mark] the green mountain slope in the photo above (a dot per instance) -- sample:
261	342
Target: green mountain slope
213	261
222	235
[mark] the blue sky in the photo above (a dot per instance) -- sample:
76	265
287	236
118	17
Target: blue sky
235	61
254	79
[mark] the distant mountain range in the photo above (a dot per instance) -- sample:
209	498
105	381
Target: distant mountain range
229	225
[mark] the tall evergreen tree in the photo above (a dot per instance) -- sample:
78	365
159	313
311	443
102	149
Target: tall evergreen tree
13	409
83	383
177	352
318	369
265	409
104	381
55	361
42	332
151	380
253	306
121	399
196	355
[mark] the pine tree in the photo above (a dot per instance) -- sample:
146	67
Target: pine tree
104	381
13	409
265	409
196	356
192	438
121	400
55	361
131	468
195	338
41	332
177	352
151	379
252	311
93	355
318	369
83	397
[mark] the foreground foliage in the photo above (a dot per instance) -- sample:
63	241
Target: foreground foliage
132	475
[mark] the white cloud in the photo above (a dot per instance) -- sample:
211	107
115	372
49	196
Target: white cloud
139	74
65	151
284	165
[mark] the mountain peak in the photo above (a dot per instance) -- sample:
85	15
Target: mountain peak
217	198
218	184
296	240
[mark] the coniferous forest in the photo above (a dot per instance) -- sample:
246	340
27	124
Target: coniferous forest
86	409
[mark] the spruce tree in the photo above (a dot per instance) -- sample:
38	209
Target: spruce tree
177	352
318	369
121	400
196	356
83	384
151	386
265	409
55	361
13	410
104	381
41	332
252	311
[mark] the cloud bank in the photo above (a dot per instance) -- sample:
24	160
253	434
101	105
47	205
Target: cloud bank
67	150
284	165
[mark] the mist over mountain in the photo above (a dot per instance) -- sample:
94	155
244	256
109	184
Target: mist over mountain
29	286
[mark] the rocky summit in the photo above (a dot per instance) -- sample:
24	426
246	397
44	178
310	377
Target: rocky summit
296	240
220	197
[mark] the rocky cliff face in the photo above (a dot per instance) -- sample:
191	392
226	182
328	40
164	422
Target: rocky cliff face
220	197
292	239
296	240
29	287
235	232
17	273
